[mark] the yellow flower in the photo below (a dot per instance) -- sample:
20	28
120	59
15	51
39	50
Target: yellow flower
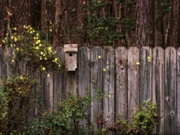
49	48
14	28
24	26
21	77
36	47
29	27
37	34
137	63
17	49
3	41
48	75
36	38
38	41
15	39
41	53
54	52
45	58
99	57
149	58
104	69
43	68
55	60
40	45
30	31
12	60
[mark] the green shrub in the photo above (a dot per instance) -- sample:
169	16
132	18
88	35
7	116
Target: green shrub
66	120
15	102
143	121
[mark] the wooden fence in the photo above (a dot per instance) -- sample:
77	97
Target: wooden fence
127	77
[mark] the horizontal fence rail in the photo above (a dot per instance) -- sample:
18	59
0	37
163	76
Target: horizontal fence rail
127	77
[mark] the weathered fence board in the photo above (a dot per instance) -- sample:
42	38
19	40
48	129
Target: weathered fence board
2	63
22	67
8	56
121	82
84	71
108	85
59	81
145	74
158	85
178	91
96	86
37	97
133	80
170	92
47	86
71	82
84	75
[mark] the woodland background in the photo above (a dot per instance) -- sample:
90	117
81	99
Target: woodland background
96	22
88	23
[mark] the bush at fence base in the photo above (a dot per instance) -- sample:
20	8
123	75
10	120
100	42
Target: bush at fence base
143	121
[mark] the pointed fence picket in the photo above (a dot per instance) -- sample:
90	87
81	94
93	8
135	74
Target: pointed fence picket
121	86
158	84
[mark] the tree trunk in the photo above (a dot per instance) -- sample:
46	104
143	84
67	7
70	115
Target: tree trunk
173	36
22	12
56	23
159	25
72	21
145	23
130	13
44	20
3	20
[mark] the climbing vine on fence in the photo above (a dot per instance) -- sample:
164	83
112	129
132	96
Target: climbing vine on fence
16	90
